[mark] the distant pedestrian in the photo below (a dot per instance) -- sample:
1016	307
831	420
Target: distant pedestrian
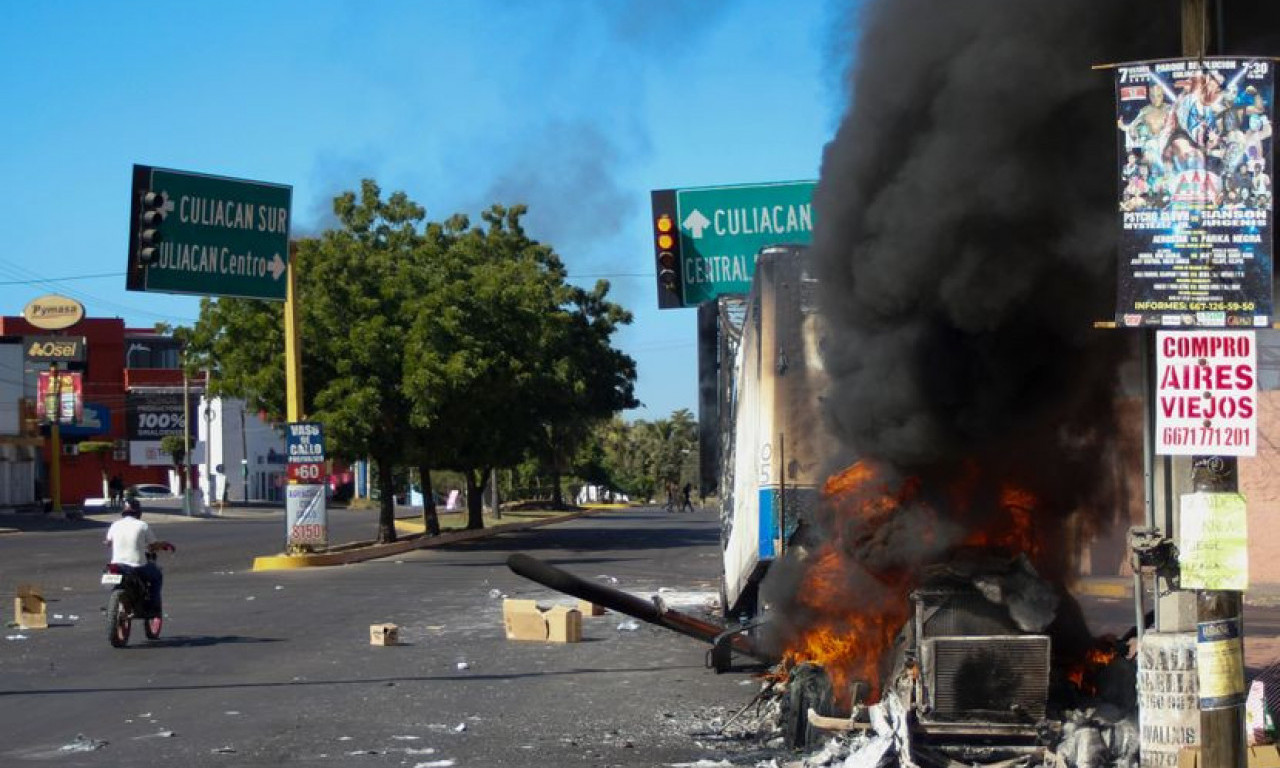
688	502
671	497
116	488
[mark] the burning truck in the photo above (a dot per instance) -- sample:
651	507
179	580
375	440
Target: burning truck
856	591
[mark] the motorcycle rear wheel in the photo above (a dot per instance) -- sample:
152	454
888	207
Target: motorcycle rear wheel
118	622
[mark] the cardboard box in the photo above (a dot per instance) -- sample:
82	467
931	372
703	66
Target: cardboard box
384	634
589	608
523	620
29	609
1264	756
564	624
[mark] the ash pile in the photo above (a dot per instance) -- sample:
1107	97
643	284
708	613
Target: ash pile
994	666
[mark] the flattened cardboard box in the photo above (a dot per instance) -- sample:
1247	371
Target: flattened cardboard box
384	634
523	620
29	609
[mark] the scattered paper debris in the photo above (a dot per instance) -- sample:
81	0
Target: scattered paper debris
83	743
231	712
345	738
495	594
463	665
460	727
223	751
251	597
423	751
15	637
279	587
406	738
628	626
435	764
355	752
157	735
609	579
74	617
57	616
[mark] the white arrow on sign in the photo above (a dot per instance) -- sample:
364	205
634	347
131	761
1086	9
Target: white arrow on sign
166	208
277	266
695	222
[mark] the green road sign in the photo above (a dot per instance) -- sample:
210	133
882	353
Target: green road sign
208	235
722	229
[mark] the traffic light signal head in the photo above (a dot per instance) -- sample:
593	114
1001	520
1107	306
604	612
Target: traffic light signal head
667	256
666	241
152	215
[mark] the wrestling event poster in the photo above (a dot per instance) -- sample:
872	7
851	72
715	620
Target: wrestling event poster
1195	202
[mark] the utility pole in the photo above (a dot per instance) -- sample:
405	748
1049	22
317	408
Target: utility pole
244	455
212	495
186	438
1219	613
55	442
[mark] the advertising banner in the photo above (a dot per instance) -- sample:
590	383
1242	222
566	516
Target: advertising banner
59	397
153	414
306	516
1206	393
1195	202
304	441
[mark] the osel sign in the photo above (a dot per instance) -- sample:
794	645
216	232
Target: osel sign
54	349
53	312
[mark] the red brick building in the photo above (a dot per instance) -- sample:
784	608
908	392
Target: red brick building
118	361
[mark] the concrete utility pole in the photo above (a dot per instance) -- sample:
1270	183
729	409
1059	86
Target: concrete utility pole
1219	613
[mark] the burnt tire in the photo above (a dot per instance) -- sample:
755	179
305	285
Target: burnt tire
118	622
152	627
810	687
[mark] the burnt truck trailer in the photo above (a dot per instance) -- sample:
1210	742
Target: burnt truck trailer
774	446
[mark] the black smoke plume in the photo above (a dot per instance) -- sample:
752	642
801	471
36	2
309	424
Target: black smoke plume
965	244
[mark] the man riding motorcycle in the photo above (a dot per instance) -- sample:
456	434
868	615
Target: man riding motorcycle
132	546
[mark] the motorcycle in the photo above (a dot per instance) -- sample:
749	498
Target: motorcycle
130	599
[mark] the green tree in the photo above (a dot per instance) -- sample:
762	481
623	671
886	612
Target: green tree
474	347
584	379
176	447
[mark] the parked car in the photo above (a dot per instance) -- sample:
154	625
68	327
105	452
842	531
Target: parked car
149	491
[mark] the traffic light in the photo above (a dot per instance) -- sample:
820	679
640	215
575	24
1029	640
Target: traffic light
666	249
150	219
667	276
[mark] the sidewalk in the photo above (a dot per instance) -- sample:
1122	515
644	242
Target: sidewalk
417	539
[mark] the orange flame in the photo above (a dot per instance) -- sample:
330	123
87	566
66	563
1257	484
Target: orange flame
1084	674
851	632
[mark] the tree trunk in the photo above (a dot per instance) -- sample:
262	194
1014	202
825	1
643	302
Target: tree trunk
429	517
387	504
475	499
557	496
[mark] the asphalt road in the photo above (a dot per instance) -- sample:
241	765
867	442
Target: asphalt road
273	668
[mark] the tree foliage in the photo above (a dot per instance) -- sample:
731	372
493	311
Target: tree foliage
432	344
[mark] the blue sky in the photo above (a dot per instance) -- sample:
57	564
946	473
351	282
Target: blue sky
576	108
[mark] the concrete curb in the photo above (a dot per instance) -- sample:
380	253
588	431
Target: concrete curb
369	551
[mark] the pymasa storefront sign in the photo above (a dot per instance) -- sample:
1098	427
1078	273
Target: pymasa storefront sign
53	312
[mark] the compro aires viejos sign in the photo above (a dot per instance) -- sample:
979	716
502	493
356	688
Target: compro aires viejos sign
1206	393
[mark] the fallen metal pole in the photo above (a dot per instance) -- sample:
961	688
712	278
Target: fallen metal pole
652	612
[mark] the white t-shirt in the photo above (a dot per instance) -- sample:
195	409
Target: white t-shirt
129	538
